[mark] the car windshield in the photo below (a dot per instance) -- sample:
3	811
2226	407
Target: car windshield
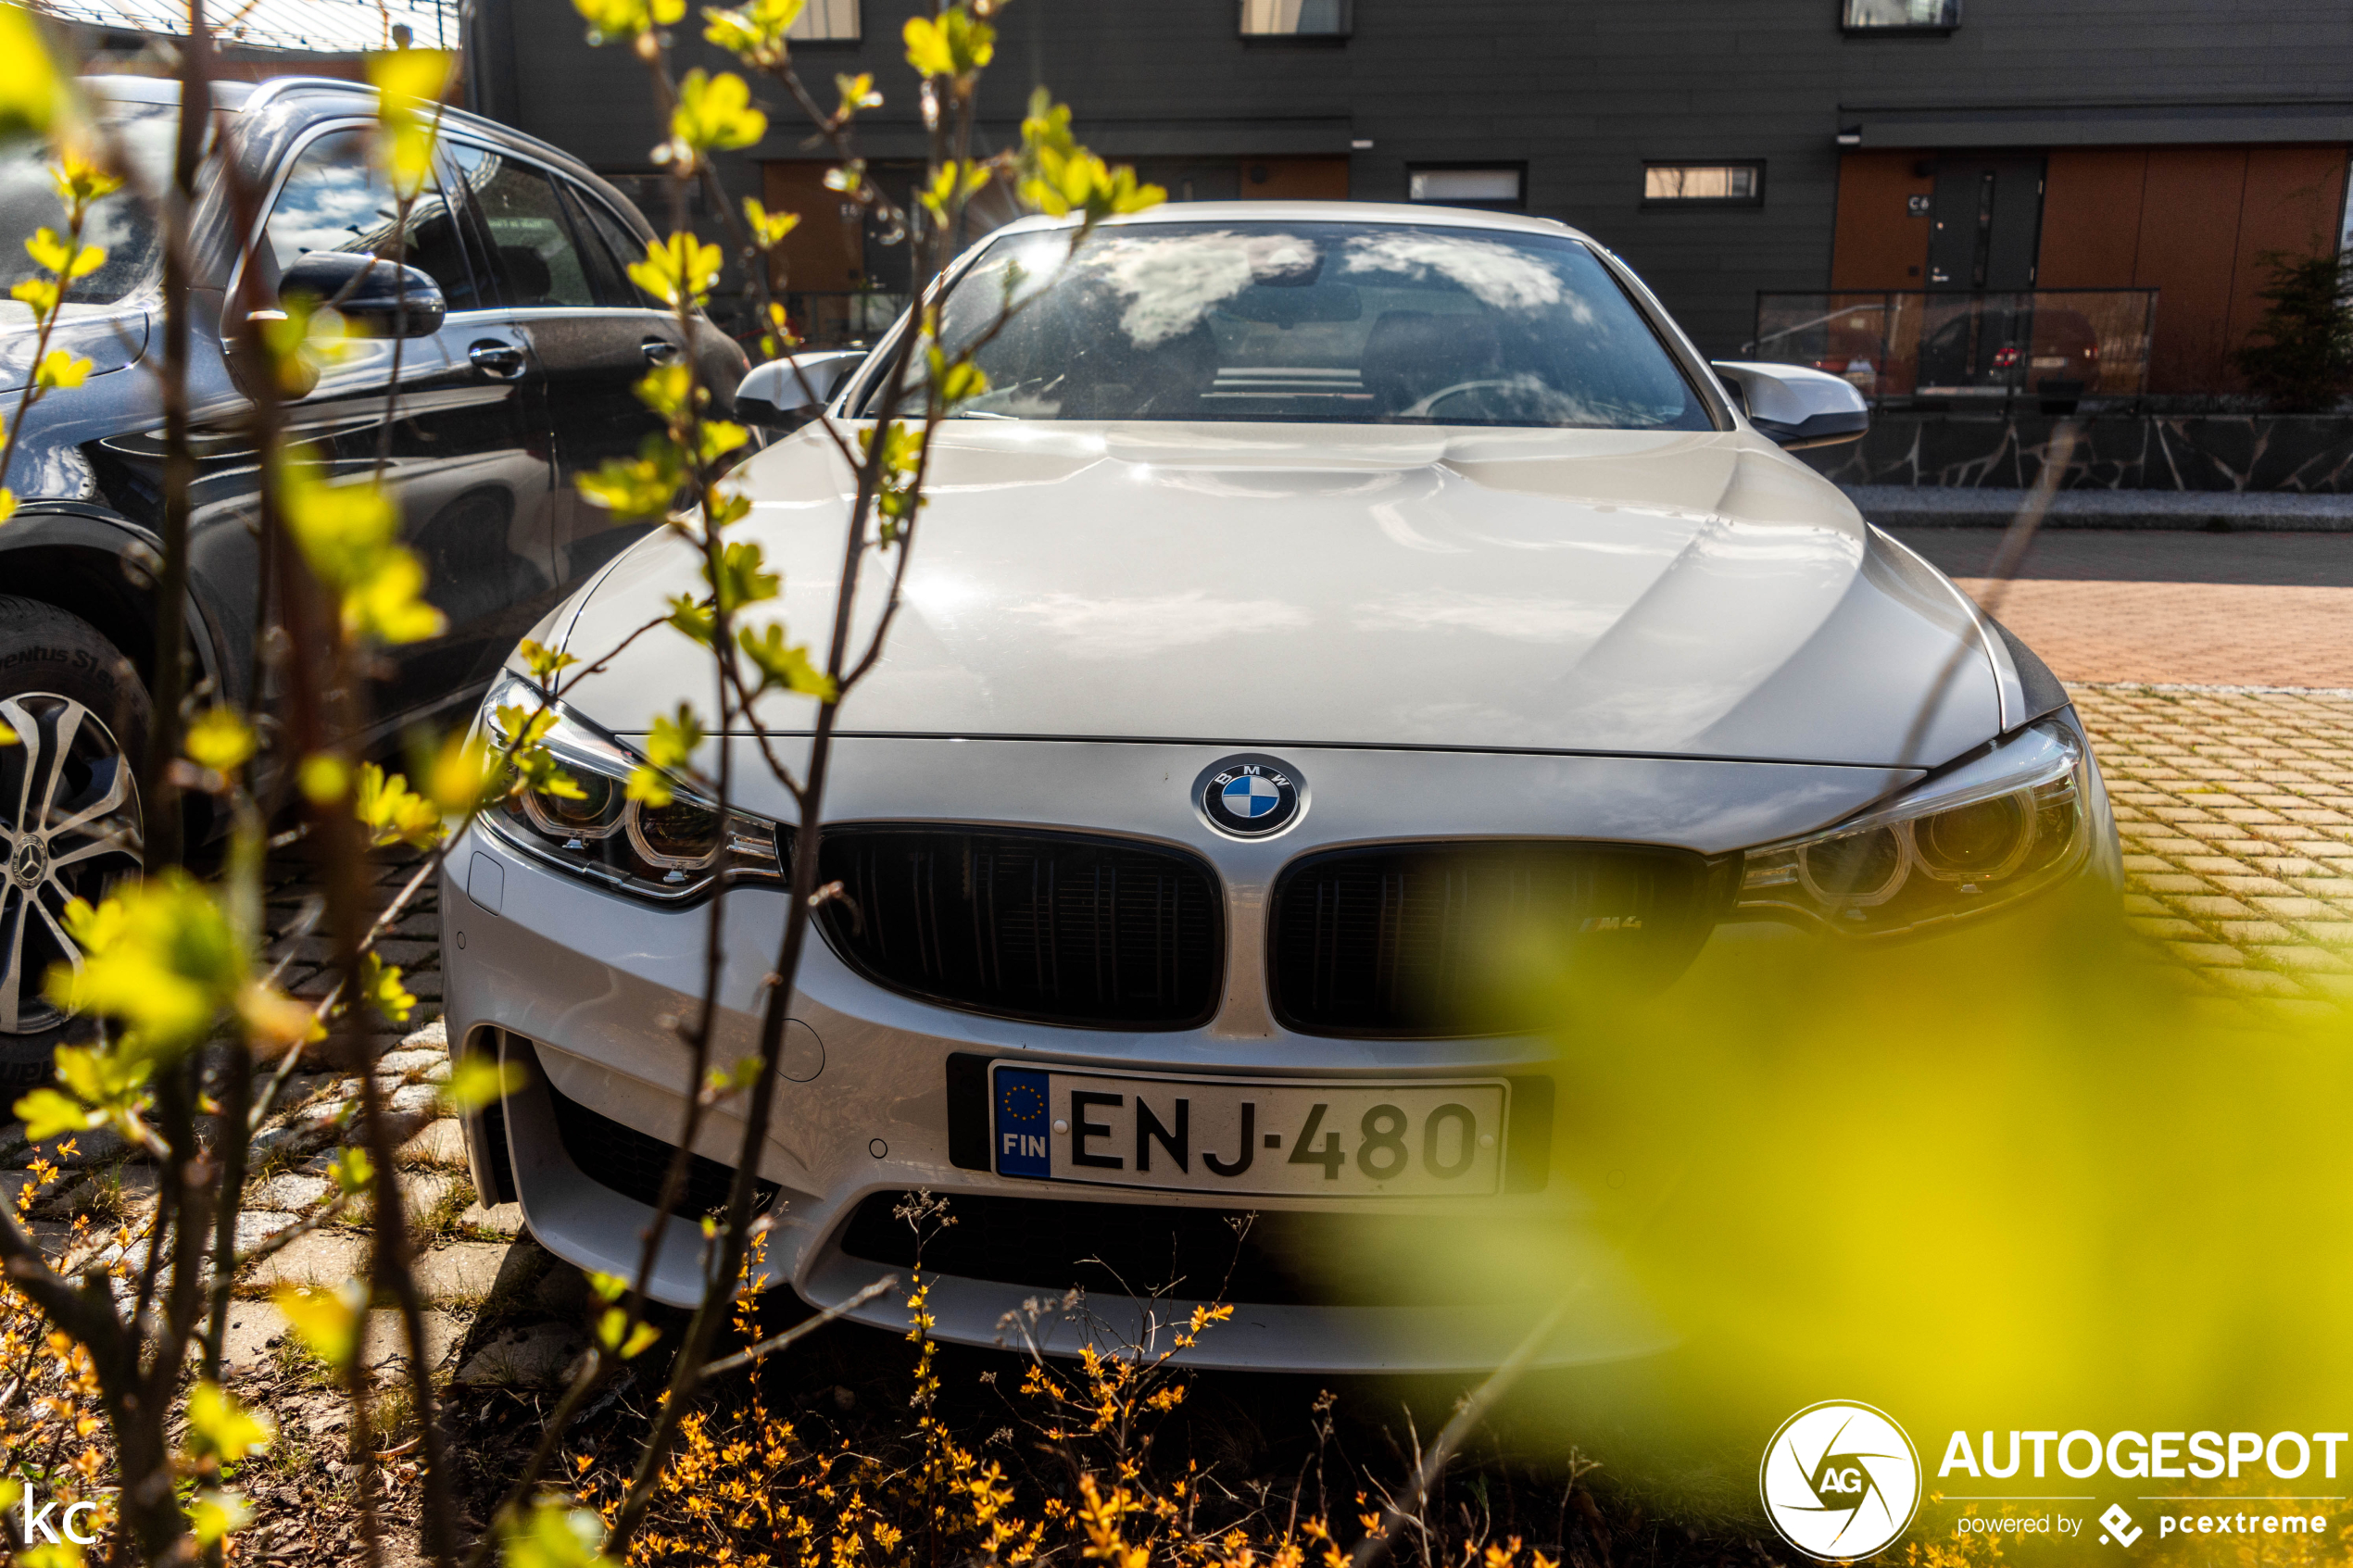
122	224
1330	323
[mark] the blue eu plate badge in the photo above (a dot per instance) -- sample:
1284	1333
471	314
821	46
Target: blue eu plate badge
1021	1124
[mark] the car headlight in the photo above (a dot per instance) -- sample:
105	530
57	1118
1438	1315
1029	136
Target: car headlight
668	853
1989	832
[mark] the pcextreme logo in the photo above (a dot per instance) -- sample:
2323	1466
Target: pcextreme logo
1841	1480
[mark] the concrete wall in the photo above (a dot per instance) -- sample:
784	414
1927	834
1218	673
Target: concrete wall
1581	90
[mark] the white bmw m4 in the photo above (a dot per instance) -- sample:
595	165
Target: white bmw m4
1317	589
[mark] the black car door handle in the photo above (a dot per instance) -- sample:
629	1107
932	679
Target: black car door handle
661	350
502	361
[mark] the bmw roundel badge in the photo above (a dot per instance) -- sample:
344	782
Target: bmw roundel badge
1250	796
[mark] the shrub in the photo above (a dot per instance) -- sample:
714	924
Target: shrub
2300	352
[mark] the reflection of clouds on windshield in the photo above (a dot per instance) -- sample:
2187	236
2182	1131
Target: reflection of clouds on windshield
327	208
1503	276
1171	281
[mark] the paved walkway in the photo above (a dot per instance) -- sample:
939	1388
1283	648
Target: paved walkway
2234	805
2235	809
2265	609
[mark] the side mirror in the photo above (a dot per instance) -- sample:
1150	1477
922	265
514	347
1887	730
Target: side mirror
1795	405
786	393
369	293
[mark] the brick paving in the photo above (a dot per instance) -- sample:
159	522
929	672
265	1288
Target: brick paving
2207	633
2235	809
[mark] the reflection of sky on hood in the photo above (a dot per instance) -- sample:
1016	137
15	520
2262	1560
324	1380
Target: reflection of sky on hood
1134	628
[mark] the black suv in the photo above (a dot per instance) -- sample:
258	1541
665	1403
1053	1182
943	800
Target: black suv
515	376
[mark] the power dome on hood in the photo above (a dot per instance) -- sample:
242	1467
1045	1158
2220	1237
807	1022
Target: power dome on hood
1660	593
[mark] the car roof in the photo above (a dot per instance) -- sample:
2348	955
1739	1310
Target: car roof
335	93
1418	213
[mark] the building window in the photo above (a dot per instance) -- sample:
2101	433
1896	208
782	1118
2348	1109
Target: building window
1901	16
1295	18
1490	186
1704	184
826	21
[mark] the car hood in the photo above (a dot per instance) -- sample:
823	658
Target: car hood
111	337
1661	594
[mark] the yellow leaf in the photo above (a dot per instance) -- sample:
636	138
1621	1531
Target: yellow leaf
768	229
47	1114
80	180
323	778
476	1081
410	84
58	369
214	1512
613	19
392	812
553	1535
352	1170
347	535
380	983
714	113
274	1022
160	954
679	266
464	774
221	1426
755	34
32	90
327	1321
544	662
220	739
955	44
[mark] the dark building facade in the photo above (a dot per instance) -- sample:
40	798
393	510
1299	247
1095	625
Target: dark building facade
1725	147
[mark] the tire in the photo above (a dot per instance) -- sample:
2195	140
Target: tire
68	810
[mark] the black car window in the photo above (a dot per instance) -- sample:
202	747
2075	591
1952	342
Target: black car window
530	238
609	248
334	199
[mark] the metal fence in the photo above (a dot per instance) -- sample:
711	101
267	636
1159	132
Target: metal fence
2056	345
298	26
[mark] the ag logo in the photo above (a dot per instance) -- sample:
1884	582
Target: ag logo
1250	796
1840	1480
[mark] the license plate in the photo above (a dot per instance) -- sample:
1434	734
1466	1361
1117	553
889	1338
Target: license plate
1248	1136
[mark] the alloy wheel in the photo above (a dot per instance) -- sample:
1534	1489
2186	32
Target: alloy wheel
68	826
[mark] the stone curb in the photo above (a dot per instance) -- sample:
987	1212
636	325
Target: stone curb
1900	505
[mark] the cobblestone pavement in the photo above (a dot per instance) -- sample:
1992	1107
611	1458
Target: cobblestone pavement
2235	809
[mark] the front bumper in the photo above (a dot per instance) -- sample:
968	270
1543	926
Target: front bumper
586	989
